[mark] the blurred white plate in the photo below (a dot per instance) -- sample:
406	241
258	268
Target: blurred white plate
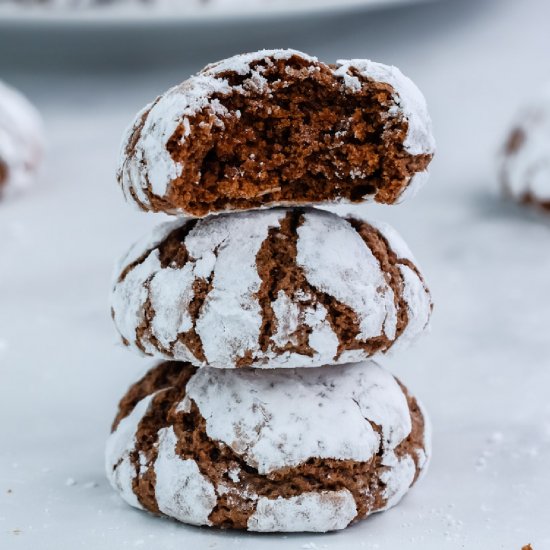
184	11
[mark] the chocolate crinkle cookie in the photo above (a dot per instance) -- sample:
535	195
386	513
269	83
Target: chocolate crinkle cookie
276	128
280	450
270	288
525	169
21	141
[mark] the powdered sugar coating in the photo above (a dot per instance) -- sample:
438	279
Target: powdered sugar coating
277	418
121	472
230	319
146	167
419	305
318	512
289	316
181	490
275	421
241	63
398	478
416	295
336	261
21	141
424	456
152	303
526	158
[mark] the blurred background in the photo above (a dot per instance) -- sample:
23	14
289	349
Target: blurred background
484	370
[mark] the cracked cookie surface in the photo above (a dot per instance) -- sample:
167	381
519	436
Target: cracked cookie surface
279	450
278	127
21	141
274	288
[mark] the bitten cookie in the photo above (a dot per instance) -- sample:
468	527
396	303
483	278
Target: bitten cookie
269	288
525	170
280	450
278	127
21	141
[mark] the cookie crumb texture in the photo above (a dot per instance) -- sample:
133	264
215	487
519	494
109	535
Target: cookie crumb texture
271	288
21	141
525	169
278	128
279	450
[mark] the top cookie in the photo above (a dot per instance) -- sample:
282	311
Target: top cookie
278	127
21	141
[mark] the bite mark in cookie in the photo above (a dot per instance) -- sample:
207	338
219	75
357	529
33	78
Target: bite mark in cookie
276	128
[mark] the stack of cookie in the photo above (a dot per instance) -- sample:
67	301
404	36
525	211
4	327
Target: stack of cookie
268	412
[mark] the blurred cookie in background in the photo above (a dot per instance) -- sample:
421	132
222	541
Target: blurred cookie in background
525	165
21	141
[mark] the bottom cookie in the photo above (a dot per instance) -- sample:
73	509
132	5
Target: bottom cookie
273	450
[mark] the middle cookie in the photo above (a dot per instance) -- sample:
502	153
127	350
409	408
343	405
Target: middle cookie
276	288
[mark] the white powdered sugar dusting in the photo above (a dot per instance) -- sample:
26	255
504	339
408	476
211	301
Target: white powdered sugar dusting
321	338
128	172
424	455
289	317
147	243
415	292
241	64
526	168
120	470
335	260
279	418
171	292
129	296
316	512
398	478
230	320
419	305
21	140
401	471
164	117
181	490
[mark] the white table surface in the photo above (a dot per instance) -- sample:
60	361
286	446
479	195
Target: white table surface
483	371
